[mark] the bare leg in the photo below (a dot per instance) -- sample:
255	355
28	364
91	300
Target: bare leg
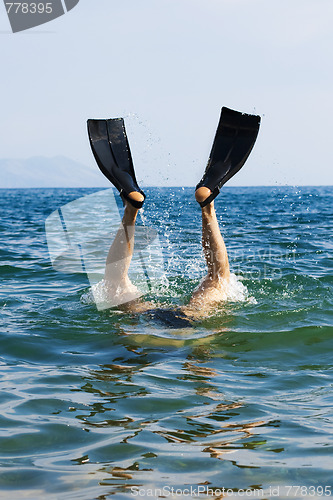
213	245
213	287
120	288
121	250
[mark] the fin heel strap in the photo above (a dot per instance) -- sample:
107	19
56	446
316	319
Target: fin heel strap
134	203
210	198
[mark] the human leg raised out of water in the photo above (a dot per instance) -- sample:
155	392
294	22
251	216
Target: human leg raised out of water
110	147
116	277
213	288
235	137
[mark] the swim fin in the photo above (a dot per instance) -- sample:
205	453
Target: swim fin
235	137
110	147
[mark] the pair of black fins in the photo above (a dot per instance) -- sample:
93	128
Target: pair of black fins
235	137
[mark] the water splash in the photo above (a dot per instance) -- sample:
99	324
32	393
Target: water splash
238	292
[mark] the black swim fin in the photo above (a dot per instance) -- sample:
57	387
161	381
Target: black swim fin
235	137
109	144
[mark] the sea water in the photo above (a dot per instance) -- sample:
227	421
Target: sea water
99	403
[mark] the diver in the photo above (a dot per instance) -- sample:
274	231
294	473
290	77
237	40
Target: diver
234	140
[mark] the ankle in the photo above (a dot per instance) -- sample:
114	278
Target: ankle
130	212
208	210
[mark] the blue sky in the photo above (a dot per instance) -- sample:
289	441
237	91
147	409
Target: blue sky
168	66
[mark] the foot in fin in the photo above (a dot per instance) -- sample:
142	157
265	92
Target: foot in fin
202	194
110	147
235	137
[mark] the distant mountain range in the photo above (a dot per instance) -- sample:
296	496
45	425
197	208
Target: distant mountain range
58	171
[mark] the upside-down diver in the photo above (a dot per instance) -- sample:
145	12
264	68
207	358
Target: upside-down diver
235	137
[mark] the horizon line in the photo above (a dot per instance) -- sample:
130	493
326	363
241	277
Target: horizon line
169	187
